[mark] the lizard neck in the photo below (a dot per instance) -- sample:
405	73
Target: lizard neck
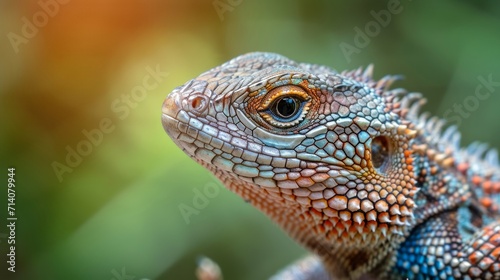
346	250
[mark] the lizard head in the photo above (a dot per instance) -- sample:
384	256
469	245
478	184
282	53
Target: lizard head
319	151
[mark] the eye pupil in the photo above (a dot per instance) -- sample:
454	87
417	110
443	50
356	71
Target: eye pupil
380	152
286	107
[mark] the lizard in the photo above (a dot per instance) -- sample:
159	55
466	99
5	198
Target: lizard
347	166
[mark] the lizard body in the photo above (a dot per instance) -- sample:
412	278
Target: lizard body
346	166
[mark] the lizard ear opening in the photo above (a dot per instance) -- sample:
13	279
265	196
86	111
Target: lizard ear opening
381	153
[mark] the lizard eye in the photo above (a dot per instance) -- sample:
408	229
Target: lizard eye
286	106
380	153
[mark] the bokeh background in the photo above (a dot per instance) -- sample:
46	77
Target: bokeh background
115	214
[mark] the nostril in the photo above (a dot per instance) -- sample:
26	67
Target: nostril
198	103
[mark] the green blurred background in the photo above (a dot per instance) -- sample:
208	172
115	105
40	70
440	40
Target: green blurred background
117	213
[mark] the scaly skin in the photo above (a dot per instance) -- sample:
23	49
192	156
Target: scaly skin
345	166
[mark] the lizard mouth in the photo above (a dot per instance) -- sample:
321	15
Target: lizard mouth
170	125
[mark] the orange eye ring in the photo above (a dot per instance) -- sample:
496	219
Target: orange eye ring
285	106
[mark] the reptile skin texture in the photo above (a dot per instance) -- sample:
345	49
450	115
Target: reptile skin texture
346	166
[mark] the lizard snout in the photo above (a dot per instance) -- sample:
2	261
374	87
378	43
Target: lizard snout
183	104
170	109
171	105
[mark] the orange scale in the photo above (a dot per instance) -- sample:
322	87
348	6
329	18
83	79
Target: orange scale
496	187
315	213
305	182
320	177
486	262
353	229
495	268
321	229
348	224
434	170
463	167
477	243
488	230
486	248
496	254
332	234
383	217
366	230
475	257
477	180
340	227
328	224
372	223
486	202
488	187
334	221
